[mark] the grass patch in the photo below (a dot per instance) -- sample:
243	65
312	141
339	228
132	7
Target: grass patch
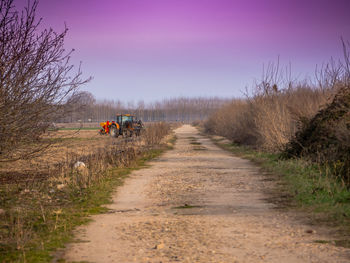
171	142
52	230
199	148
186	206
308	186
196	144
322	241
342	243
69	139
173	139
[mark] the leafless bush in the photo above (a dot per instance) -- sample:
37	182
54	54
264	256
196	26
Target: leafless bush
35	79
155	132
234	122
277	117
271	113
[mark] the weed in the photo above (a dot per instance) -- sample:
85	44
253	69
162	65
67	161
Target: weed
322	241
186	206
171	141
199	148
196	143
342	243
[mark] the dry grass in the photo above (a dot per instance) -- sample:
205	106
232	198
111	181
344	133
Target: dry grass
35	194
70	125
267	120
277	116
155	132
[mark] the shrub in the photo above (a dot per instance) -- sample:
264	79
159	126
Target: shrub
267	120
325	138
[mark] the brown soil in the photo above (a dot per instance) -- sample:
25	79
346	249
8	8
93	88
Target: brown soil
196	205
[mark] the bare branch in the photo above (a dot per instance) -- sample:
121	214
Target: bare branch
36	78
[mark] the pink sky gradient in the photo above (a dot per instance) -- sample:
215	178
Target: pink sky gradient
152	49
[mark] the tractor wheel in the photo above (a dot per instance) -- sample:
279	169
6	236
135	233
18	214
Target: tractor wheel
114	131
125	133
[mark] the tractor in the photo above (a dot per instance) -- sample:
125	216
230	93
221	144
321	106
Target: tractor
126	125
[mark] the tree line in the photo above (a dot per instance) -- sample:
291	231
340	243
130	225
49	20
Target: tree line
85	108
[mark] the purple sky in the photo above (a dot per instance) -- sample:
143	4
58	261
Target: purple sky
152	49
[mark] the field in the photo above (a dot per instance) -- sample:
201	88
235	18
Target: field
65	147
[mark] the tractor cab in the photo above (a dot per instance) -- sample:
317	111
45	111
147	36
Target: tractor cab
124	119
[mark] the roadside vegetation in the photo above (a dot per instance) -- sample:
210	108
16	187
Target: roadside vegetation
41	207
300	131
302	184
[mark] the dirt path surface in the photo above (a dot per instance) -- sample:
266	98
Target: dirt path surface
198	203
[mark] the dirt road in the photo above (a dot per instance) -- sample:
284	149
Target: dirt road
198	203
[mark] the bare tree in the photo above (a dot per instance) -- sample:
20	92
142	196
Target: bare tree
35	80
79	106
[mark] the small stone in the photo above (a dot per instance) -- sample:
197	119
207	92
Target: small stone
58	212
310	231
159	246
60	186
79	164
2	211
